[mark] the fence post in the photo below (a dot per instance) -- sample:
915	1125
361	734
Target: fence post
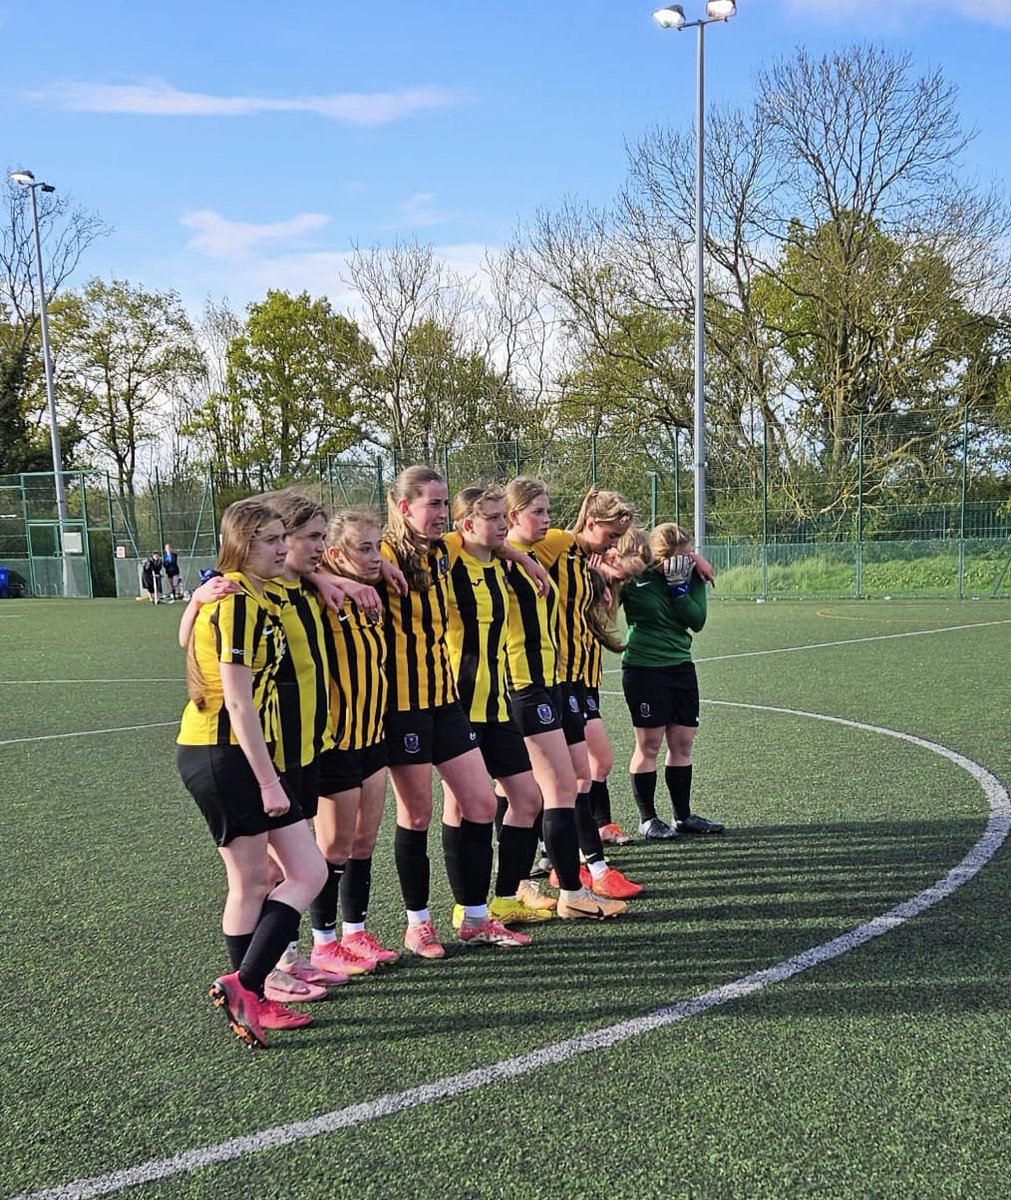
112	523
765	511
85	537
516	455
677	477
654	496
593	458
214	510
860	508
961	509
445	468
159	516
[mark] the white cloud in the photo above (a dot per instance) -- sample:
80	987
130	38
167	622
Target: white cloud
318	272
419	211
216	237
995	12
157	98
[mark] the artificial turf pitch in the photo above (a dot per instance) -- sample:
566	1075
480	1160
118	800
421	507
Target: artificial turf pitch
881	1073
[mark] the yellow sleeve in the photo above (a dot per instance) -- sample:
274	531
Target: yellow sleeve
234	622
454	545
553	545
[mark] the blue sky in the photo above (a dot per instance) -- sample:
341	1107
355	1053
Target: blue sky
235	147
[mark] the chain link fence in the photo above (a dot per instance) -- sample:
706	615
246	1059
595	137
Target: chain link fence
900	505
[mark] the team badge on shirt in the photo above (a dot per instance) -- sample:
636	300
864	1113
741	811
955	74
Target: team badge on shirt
412	743
442	564
645	710
545	714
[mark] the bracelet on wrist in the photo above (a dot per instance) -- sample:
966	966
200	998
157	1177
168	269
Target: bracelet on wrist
276	779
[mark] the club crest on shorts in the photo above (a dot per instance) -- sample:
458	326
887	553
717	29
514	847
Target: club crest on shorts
573	704
645	710
412	743
545	714
473	736
591	703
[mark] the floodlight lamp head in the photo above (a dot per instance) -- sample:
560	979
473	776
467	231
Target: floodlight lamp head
721	10
47	187
25	178
671	17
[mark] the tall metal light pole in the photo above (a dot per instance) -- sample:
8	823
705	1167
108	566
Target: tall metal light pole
673	17
27	180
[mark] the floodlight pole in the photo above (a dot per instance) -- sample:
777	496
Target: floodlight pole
700	294
27	180
673	18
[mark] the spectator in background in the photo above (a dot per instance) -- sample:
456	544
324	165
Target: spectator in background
150	577
171	563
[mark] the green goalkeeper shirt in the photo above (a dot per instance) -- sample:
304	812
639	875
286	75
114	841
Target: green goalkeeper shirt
660	625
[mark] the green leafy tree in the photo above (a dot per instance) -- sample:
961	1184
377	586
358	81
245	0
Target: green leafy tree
298	386
123	355
66	231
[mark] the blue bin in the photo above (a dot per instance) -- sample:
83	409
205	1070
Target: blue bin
5	582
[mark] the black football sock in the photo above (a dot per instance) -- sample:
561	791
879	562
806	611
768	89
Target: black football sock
356	888
323	910
600	802
679	784
276	929
586	828
476	854
644	794
562	844
410	852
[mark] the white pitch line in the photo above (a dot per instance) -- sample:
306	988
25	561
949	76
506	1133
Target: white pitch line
880	637
997	828
56	737
36	682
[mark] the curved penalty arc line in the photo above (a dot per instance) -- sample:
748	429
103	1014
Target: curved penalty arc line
996	832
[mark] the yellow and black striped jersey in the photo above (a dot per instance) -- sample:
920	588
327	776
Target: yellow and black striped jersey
569	566
303	676
417	660
358	684
477	632
594	669
245	629
533	633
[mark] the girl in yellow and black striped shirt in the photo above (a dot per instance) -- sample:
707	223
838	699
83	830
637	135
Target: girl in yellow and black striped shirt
228	752
426	725
603	517
353	774
480	619
537	708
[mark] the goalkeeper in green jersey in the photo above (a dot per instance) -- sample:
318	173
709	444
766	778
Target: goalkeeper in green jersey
664	606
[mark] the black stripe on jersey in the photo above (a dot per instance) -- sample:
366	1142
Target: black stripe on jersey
289	693
466	601
224	733
496	648
425	602
446	687
527	601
